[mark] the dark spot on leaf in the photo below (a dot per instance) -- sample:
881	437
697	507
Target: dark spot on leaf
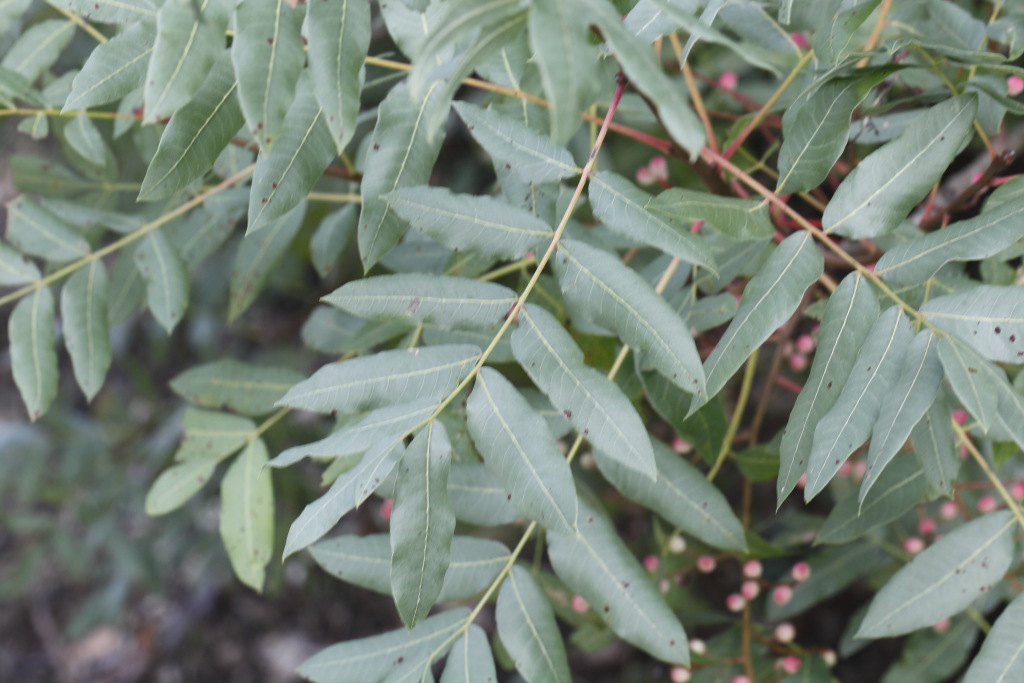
625	584
998	329
1013	338
509	497
829	386
973	371
590	519
273	185
375	147
567	413
508	167
270	41
607	609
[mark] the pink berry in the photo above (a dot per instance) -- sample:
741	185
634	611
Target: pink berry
987	504
941	626
782	595
791	664
740	679
1017	490
949	510
644	176
706	564
735	602
681	445
913	545
926	526
860	468
579	605
805	343
797	362
1014	85
658	167
799	39
752	569
802	482
846	469
785	632
385	508
750	589
960	416
664	585
801	571
651	563
728	80
679	674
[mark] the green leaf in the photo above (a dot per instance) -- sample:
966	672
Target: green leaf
422	524
367	660
1001	659
929	655
331	237
211	435
383	423
202	232
518	447
114	69
433	299
615	296
339	36
16	269
975	381
247	515
848	423
268	56
526	624
366	562
385	378
624	209
646	75
814	131
682	495
189	36
402	153
916	260
832	41
739	219
286	173
899	488
849	314
483	224
166	279
470	660
33	351
944	579
83	307
195	135
524	153
83	137
769	299
256	257
881	191
38	47
38	231
127	290
560	45
908	400
345	494
831	571
177	484
478	497
36	127
596	564
594	405
247	388
986	317
935	447
113	11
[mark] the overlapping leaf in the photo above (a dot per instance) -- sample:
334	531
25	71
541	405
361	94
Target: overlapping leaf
245	388
594	405
769	299
614	296
989	318
597	565
526	624
518	447
339	36
470	660
445	301
385	378
478	497
422	524
38	47
38	231
484	224
114	69
211	435
166	279
247	514
256	257
833	41
881	191
83	307
848	423
740	219
15	268
975	381
113	11
402	153
624	209
32	336
268	55
195	135
944	579
935	447
1001	659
